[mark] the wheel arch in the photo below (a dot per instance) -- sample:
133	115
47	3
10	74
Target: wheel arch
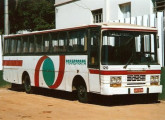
77	80
23	76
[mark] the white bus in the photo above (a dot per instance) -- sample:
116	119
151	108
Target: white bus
106	59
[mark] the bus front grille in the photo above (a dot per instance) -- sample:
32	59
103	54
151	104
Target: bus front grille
136	79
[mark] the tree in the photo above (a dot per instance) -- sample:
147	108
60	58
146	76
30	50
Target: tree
30	15
1	16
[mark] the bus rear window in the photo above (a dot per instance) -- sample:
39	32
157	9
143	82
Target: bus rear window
7	46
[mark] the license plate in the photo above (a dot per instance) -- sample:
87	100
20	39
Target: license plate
138	90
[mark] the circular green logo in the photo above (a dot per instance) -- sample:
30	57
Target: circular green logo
48	71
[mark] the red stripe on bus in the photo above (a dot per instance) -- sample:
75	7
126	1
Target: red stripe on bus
124	72
94	71
37	70
60	73
12	62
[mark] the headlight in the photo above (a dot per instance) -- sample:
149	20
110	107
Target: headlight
154	80
118	81
115	81
157	78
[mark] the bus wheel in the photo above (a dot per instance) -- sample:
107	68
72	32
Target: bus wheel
14	86
153	98
27	85
82	93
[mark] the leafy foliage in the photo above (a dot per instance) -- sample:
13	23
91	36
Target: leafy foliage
30	15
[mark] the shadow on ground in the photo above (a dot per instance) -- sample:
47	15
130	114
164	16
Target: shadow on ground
95	99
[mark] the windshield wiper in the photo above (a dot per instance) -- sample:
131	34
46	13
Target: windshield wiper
148	61
125	66
133	52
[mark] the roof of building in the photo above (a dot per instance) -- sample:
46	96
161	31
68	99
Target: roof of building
63	2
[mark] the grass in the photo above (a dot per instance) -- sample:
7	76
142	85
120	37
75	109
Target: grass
2	82
162	96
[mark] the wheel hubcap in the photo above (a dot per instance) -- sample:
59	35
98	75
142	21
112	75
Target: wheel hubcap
82	91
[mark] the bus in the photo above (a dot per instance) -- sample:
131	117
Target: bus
107	59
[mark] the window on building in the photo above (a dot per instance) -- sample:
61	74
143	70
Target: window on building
97	16
125	10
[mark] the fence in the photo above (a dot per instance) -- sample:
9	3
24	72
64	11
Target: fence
153	20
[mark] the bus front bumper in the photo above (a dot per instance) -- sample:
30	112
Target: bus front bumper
106	90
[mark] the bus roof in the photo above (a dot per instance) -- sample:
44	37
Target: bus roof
104	26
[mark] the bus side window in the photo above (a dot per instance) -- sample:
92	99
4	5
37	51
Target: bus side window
19	45
54	42
46	39
77	41
39	47
7	46
82	44
62	41
13	45
31	44
25	44
71	39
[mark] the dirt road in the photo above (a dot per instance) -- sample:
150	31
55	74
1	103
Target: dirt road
17	105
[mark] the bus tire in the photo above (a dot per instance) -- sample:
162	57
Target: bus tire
14	86
82	93
27	85
153	98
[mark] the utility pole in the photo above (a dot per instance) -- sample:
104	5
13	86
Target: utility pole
164	33
6	17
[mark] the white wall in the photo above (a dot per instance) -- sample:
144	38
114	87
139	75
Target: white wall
77	13
138	8
60	1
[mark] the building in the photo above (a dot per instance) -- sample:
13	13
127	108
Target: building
81	12
70	13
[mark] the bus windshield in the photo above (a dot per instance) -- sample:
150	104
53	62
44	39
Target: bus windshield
133	48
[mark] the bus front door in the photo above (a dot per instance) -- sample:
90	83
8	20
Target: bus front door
93	61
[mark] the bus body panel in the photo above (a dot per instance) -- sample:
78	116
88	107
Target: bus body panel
106	90
97	54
